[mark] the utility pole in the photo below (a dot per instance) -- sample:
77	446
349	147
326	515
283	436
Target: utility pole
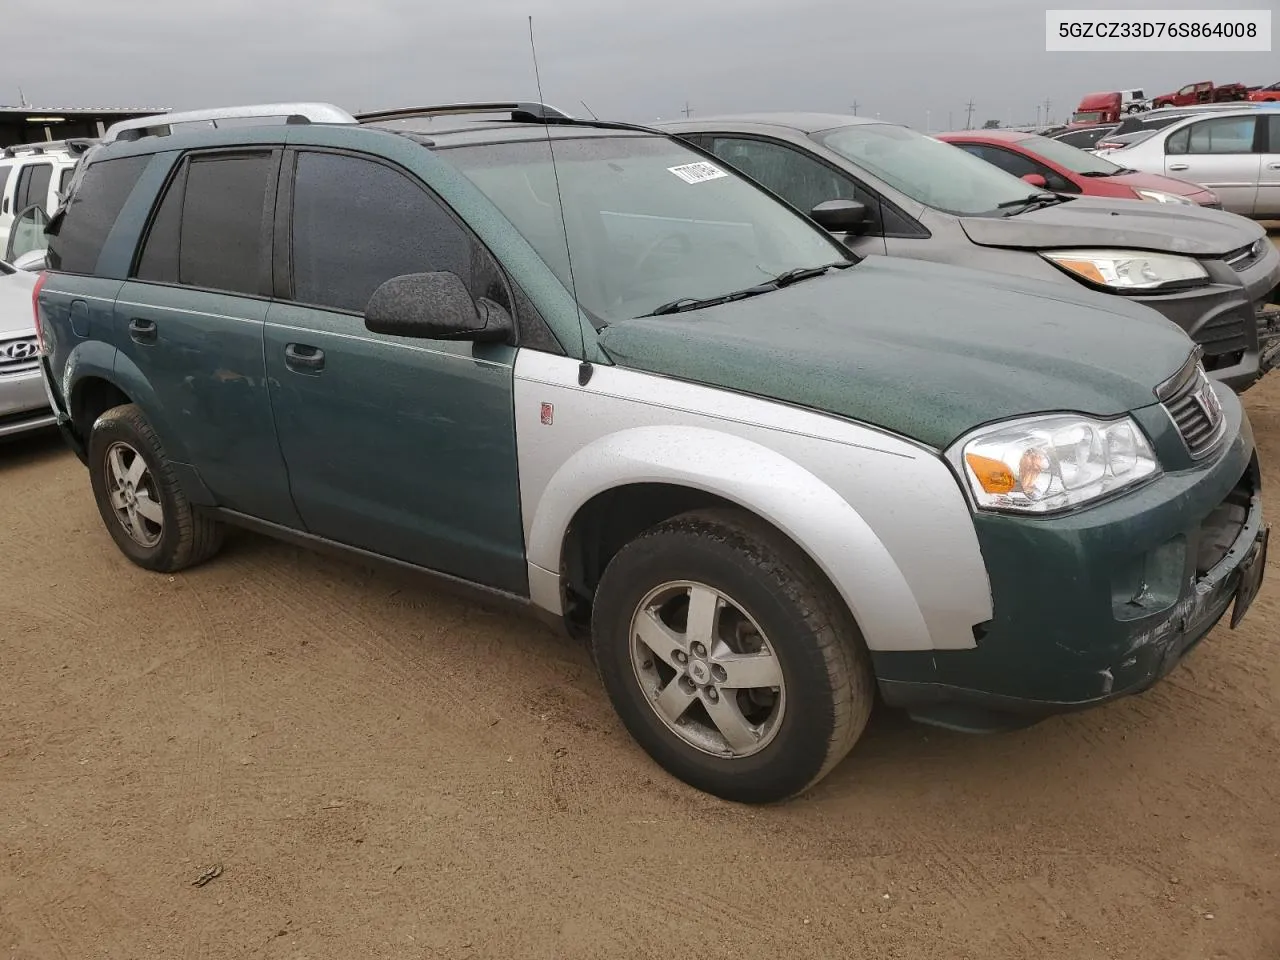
855	108
1047	104
686	111
1037	116
968	119
22	98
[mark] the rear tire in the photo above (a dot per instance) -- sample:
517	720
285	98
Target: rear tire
143	506
777	696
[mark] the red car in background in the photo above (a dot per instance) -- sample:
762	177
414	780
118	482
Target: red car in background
1062	168
1266	94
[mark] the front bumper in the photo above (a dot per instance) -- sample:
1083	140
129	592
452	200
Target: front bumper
1098	604
24	406
1224	317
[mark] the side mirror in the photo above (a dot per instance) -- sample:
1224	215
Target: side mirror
33	262
1036	180
434	306
26	233
840	216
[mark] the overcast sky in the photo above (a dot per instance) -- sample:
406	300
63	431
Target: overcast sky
636	61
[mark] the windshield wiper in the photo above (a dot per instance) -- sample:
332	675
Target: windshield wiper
788	277
1101	173
784	279
1034	200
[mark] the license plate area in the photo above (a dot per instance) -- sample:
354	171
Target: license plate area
1252	571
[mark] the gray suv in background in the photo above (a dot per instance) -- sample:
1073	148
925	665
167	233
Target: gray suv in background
891	190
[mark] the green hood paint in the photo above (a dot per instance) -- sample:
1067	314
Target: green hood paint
921	349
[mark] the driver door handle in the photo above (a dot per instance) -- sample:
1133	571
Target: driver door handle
303	358
1179	166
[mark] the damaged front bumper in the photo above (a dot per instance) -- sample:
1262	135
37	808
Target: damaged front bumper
1269	337
1097	604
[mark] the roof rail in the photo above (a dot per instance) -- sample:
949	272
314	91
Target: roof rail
162	124
74	145
521	112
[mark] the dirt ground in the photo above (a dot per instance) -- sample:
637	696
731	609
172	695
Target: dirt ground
383	771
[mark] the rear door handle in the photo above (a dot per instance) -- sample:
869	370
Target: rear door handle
1273	166
303	358
142	331
1179	166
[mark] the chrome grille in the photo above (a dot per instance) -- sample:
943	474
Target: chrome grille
19	355
1246	257
1191	402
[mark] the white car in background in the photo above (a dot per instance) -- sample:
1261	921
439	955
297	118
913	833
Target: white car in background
35	174
24	404
1235	153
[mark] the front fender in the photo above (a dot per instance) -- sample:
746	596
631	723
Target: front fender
760	480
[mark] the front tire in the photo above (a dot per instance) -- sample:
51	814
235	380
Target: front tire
143	506
730	658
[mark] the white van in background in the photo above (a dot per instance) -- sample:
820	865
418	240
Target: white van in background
35	173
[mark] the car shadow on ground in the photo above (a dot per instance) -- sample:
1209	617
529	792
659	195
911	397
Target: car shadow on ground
33	449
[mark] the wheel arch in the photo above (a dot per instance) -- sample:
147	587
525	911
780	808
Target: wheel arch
668	469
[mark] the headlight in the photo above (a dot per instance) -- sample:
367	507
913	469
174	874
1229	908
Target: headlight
1051	463
1159	196
1129	269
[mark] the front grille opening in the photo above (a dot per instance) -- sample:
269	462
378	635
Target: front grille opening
1222	527
1223	337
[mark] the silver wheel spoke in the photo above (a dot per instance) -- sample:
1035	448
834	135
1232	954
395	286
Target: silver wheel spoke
740	735
747	671
136	470
658	637
673	701
115	460
704	611
150	508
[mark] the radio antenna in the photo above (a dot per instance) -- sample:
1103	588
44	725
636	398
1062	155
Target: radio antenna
584	368
589	110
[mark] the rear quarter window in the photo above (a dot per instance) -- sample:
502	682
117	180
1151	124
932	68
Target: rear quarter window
92	212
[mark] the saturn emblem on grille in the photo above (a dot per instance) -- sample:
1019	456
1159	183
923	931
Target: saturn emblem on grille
1207	399
20	350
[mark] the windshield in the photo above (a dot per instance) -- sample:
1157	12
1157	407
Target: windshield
927	170
1065	155
649	221
1088	116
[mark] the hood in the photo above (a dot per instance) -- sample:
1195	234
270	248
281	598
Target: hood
1105	222
925	350
16	318
1154	181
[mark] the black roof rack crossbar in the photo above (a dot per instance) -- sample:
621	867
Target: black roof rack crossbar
521	112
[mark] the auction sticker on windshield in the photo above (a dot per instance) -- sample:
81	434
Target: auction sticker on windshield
698	172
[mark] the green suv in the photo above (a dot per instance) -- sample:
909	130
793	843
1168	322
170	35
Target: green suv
584	367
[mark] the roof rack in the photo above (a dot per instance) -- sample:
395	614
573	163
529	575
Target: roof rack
74	146
162	124
521	112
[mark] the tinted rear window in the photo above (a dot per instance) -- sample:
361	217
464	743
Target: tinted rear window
221	240
92	212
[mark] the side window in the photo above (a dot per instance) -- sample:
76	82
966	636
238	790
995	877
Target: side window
1019	165
4	180
211	228
1222	135
91	214
64	178
1177	143
358	223
800	180
1273	134
33	186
